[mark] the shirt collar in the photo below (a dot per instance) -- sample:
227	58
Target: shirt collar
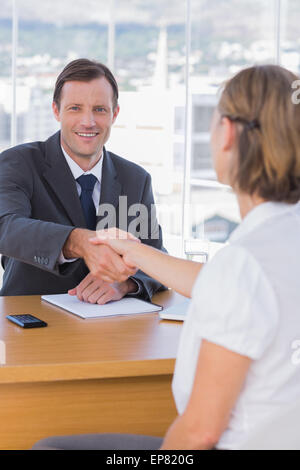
77	171
260	214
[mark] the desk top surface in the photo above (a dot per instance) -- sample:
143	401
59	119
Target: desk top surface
72	348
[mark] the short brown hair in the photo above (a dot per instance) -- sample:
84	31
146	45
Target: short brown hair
259	99
84	70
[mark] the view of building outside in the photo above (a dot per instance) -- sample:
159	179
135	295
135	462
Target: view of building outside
144	42
290	38
226	37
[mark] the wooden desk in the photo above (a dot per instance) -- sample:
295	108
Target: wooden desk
85	376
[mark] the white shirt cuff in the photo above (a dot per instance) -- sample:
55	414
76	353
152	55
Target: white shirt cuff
62	259
138	285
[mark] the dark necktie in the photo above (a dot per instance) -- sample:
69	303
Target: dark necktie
87	183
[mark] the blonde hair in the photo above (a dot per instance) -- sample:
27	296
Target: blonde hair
260	99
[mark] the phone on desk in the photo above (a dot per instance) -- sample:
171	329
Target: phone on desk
26	321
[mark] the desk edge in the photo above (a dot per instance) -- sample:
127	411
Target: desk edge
85	371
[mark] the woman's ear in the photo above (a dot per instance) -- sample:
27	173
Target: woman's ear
223	148
228	134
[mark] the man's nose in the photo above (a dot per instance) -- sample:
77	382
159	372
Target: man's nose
88	119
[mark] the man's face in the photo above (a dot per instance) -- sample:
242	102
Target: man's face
86	115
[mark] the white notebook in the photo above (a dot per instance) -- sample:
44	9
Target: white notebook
125	306
176	312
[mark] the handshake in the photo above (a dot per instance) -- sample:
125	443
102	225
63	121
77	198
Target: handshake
109	255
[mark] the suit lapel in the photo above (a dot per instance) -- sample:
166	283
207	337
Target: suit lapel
110	184
61	180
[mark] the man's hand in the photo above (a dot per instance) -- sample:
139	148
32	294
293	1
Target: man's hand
123	243
95	291
103	262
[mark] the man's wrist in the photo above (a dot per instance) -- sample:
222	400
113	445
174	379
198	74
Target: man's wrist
76	243
131	287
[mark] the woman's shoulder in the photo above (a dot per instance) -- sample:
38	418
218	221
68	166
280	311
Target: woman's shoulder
232	258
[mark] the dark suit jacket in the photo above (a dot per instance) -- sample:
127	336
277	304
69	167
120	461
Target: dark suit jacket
39	207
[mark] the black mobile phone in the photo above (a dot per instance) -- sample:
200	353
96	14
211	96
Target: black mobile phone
26	321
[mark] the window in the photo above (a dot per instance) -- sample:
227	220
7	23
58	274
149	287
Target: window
5	75
225	37
289	52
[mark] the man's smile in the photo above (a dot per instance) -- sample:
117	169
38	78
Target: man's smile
87	135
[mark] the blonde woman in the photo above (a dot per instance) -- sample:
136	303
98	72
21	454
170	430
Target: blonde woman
234	366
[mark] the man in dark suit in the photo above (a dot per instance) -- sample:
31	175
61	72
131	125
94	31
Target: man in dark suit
50	192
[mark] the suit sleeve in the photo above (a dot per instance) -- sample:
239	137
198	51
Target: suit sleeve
22	237
150	233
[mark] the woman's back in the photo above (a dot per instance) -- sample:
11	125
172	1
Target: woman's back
275	378
247	299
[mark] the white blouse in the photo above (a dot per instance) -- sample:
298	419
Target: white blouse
247	299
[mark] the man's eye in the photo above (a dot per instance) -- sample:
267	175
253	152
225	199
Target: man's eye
74	108
100	110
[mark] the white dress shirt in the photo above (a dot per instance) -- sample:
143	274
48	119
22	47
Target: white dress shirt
247	299
77	172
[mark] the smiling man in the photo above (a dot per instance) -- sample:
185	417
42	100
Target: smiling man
51	192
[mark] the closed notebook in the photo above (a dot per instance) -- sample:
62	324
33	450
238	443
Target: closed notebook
176	312
125	306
